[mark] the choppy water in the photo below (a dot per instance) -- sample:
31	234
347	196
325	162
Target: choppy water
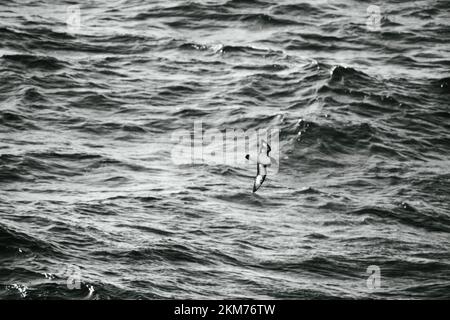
88	188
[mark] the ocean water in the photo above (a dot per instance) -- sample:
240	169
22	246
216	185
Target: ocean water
92	205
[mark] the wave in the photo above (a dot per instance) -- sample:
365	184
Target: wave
29	61
408	215
442	85
266	20
296	9
16	120
173	253
13	242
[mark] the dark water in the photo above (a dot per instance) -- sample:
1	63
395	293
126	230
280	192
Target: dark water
87	182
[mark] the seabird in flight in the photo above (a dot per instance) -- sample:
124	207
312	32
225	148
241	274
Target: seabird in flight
263	160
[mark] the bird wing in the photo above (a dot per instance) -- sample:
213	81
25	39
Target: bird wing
261	173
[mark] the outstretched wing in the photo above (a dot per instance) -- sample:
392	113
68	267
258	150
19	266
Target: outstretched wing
261	173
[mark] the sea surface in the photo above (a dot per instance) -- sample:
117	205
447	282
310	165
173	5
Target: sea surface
92	205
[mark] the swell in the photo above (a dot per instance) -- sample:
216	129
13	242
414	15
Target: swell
173	253
28	61
408	215
216	13
27	39
11	241
41	166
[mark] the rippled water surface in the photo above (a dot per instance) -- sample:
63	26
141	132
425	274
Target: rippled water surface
89	190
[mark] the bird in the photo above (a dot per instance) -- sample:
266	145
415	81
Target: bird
263	160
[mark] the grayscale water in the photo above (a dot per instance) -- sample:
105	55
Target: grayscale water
88	189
